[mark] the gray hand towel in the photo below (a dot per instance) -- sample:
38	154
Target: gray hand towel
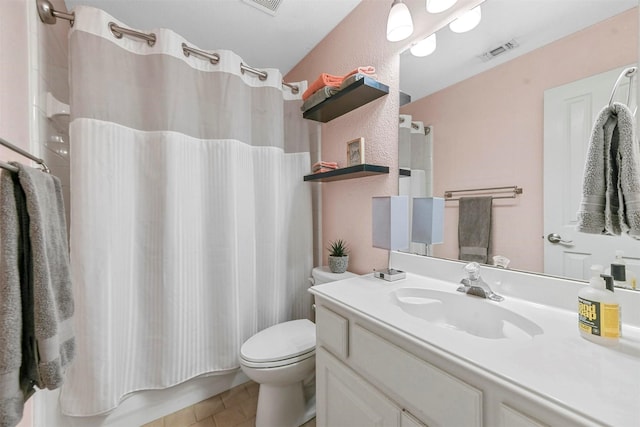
11	395
51	279
474	228
598	198
626	161
611	183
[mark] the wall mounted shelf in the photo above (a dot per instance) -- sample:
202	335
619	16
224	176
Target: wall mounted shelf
356	171
353	96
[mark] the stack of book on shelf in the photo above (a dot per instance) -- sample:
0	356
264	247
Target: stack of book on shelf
321	166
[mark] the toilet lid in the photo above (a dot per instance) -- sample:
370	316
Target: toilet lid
281	341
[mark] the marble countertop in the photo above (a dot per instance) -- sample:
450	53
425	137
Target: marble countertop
601	383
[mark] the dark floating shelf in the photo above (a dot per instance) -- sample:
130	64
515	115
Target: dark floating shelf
357	171
353	96
405	172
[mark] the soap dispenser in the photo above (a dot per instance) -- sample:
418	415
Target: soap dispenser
598	311
619	270
622	276
608	283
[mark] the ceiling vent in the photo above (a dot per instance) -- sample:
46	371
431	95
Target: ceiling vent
499	50
267	6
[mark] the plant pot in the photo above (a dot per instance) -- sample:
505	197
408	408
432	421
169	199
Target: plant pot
338	264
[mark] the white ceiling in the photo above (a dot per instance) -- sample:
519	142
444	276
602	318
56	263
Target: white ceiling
281	41
532	23
261	39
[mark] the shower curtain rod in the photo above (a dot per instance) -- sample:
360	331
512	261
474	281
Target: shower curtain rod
48	15
23	153
414	125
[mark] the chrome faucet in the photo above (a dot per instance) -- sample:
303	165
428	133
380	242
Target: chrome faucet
474	285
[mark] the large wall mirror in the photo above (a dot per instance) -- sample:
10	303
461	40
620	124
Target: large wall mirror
532	73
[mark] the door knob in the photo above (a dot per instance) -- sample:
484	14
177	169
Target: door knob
556	238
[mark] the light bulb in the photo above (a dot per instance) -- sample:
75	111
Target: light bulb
466	22
425	46
437	6
399	23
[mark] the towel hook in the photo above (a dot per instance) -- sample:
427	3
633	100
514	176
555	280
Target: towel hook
627	72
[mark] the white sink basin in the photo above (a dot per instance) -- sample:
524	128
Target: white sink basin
467	313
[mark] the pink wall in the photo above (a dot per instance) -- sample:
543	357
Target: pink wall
346	205
14	77
360	39
488	131
14	95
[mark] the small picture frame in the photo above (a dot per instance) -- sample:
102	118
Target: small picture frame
355	152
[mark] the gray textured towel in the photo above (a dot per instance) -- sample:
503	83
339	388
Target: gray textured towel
354	78
319	96
11	395
627	165
51	282
611	183
474	228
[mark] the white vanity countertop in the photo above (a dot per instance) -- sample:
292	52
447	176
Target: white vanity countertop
601	383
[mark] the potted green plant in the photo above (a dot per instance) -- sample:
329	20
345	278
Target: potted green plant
338	256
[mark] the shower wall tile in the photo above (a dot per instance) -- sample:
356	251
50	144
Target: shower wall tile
49	57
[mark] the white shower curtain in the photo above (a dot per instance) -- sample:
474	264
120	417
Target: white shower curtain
415	154
190	221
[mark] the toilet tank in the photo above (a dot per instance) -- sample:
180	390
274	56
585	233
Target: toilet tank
320	275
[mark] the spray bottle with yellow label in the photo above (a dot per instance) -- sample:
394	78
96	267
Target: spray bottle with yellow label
598	311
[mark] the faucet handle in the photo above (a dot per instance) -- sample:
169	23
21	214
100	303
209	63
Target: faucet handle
472	270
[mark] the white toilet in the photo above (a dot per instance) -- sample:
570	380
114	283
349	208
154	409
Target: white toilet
280	359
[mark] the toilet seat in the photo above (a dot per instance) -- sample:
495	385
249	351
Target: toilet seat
277	363
279	345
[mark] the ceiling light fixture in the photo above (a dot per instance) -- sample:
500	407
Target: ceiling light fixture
425	46
466	22
399	23
437	6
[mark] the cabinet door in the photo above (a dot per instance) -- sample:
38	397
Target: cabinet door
409	420
510	417
431	394
344	399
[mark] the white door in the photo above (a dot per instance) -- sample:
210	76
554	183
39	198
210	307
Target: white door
569	113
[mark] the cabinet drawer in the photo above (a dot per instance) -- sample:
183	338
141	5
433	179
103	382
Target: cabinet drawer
430	393
332	331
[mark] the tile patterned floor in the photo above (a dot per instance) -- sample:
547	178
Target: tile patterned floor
233	408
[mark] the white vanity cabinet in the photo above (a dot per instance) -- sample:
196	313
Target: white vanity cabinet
369	374
346	399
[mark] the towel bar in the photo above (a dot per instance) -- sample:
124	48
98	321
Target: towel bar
514	190
23	153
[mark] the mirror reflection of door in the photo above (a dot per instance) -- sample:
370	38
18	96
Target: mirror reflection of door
415	159
569	113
